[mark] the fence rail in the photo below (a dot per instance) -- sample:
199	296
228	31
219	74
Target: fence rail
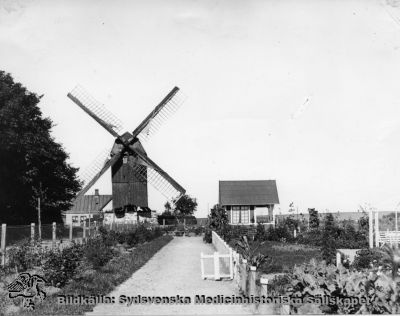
246	278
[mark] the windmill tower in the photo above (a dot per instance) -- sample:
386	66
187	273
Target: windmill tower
131	167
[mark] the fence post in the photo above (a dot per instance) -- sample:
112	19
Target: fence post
243	276
202	266
163	222
95	225
231	263
32	233
216	266
253	285
371	228
70	231
84	230
264	309
3	244
377	229
294	233
252	281
54	227
338	259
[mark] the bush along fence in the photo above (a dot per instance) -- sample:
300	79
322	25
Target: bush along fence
242	268
48	236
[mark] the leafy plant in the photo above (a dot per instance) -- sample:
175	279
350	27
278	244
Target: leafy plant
60	266
24	255
207	236
251	252
98	253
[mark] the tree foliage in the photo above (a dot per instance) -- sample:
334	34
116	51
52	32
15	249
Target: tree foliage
329	236
313	218
218	219
32	164
185	206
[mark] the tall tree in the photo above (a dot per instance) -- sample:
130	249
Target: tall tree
32	164
185	206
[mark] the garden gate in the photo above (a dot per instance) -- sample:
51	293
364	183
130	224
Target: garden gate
219	264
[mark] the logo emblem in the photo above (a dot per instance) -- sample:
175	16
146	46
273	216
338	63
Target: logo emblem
29	287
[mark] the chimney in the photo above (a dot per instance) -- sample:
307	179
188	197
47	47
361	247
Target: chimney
96	191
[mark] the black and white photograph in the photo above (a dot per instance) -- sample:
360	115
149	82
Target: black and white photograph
199	157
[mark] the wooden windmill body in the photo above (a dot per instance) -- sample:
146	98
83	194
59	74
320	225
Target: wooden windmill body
127	187
131	168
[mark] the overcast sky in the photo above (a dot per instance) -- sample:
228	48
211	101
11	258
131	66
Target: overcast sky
304	92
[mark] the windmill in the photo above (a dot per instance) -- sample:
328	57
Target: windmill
131	167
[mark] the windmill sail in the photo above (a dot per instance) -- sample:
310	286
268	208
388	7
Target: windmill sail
96	110
100	165
158	181
162	112
95	166
157	177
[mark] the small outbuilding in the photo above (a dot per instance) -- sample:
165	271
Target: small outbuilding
86	206
249	202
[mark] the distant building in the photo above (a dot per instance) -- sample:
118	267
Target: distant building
249	202
85	206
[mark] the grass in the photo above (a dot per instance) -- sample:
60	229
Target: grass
285	256
100	282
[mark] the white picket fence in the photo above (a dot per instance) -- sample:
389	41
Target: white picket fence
389	237
220	264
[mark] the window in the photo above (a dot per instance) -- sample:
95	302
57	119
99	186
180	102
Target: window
235	214
245	214
83	218
74	219
240	214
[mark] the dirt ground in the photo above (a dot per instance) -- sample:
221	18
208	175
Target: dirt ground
174	270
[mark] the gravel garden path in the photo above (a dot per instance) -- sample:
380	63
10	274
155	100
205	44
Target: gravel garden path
174	270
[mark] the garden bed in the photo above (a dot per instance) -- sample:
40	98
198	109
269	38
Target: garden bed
93	268
101	281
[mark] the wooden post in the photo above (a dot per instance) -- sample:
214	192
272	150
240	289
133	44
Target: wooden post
84	230
377	236
216	266
32	233
3	244
95	225
264	309
371	228
243	276
252	281
71	227
202	265
253	286
338	259
294	233
54	227
39	221
231	263
163	222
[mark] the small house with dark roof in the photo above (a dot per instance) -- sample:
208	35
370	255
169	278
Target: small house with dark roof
85	206
249	202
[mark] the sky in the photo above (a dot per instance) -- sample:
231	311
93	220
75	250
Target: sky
303	92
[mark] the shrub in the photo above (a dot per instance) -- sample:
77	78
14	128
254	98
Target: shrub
60	266
97	252
261	233
207	236
319	279
24	256
199	230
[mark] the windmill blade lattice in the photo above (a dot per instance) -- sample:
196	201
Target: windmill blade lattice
97	108
96	165
157	181
160	117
